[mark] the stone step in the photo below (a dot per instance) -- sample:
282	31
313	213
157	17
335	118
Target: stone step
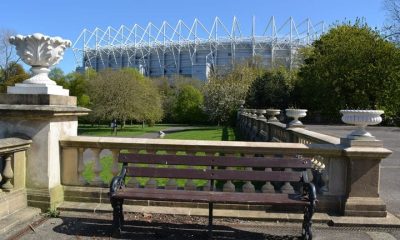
17	220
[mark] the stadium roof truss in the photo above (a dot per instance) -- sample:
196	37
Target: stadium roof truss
142	41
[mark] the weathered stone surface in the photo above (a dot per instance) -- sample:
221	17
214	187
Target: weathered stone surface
37	99
365	207
40	111
14	144
22	88
45	198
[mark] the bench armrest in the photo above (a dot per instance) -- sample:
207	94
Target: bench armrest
117	182
310	192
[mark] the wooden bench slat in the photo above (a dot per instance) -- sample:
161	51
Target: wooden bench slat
216	174
206	196
225	161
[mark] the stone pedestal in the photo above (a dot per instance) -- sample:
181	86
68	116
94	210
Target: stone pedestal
45	119
363	175
23	88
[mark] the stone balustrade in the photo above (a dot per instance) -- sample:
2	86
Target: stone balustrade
13	157
345	168
79	152
12	163
255	127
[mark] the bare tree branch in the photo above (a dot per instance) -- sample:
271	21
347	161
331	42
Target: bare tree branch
392	27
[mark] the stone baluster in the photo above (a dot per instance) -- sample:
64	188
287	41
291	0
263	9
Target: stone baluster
81	167
248	186
268	187
171	183
8	174
115	166
152	182
207	187
261	124
97	168
189	184
287	187
229	186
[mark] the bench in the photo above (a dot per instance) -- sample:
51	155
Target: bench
212	169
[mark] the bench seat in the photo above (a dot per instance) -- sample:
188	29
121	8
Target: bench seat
214	197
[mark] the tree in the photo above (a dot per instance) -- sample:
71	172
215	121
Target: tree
124	94
10	71
7	51
188	107
15	74
392	27
224	92
351	66
273	89
188	90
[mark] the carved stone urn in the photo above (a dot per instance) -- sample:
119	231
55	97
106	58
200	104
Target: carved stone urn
296	114
272	113
361	118
40	52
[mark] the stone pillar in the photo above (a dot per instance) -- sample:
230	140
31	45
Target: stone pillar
363	176
45	119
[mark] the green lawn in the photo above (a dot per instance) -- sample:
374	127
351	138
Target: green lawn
215	133
127	131
211	133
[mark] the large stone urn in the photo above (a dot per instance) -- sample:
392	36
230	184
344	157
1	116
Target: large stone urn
40	52
296	114
361	118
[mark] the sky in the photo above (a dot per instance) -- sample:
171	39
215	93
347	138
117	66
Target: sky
67	18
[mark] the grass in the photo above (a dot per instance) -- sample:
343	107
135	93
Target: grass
127	131
214	133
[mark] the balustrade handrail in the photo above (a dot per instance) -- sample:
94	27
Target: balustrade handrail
315	137
201	145
9	145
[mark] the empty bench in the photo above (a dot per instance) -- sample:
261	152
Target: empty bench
279	171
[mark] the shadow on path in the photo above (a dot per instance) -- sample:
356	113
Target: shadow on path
100	228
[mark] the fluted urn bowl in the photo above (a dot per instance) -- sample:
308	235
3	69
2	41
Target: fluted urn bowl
296	114
361	119
272	113
41	52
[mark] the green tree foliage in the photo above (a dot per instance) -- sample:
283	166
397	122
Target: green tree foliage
188	107
76	82
12	74
182	99
273	89
351	66
223	93
124	95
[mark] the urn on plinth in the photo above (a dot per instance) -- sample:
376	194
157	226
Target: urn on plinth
272	113
361	119
40	52
296	114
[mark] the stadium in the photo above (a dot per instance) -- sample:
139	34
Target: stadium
193	50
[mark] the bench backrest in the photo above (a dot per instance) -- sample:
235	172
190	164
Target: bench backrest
215	167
